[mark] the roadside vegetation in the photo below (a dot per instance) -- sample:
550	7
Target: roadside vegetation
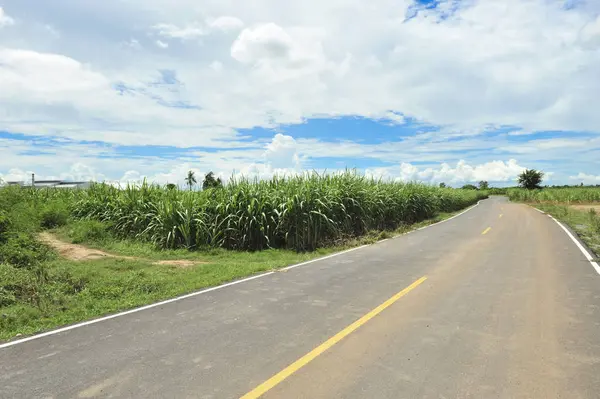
225	231
567	195
577	206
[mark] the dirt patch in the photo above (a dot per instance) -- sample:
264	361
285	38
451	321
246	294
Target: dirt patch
75	251
178	263
586	207
79	252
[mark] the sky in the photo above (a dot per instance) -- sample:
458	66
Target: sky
452	91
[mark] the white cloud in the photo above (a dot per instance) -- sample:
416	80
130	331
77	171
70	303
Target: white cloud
179	32
487	63
282	153
280	55
494	171
586	178
226	23
524	63
5	20
133	44
268	41
162	44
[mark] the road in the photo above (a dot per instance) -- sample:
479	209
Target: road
500	304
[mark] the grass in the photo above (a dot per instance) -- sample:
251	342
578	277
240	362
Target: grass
557	201
75	291
39	290
569	195
585	223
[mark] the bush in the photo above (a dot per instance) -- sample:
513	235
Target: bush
86	231
4	225
54	215
23	250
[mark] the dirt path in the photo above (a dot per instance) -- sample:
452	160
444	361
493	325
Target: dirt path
79	252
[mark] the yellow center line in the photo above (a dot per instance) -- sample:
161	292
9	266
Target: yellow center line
500	216
486	230
310	356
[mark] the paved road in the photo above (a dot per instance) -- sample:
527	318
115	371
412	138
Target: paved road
512	313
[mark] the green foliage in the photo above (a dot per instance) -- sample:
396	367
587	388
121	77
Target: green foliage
88	231
211	182
171	186
483	185
469	187
594	221
300	213
38	291
531	179
4	225
497	190
574	195
54	215
442	185
21	249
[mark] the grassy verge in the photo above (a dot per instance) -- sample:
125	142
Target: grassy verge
585	223
54	291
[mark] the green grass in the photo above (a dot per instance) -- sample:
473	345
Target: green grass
568	195
75	291
585	223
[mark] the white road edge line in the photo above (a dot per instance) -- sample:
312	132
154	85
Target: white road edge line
539	210
193	294
588	256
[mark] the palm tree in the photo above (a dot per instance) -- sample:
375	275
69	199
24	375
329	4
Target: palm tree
190	180
531	179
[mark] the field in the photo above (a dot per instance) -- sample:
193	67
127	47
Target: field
570	195
578	207
222	234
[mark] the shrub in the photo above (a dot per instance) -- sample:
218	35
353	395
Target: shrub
23	250
4	225
54	215
86	231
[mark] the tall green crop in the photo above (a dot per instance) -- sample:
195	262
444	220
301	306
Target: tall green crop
298	212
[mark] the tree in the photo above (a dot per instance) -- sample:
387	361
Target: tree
469	187
483	185
442	185
211	182
171	186
190	180
531	179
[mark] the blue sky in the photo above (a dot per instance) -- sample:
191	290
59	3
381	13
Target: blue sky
450	91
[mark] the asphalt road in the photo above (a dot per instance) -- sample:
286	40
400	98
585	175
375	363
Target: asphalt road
512	313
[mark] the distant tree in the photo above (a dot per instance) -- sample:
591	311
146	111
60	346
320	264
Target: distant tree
171	186
469	187
211	182
531	179
442	185
190	180
483	185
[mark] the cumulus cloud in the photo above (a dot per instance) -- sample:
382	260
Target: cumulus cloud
586	178
464	66
5	20
162	44
282	153
494	171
